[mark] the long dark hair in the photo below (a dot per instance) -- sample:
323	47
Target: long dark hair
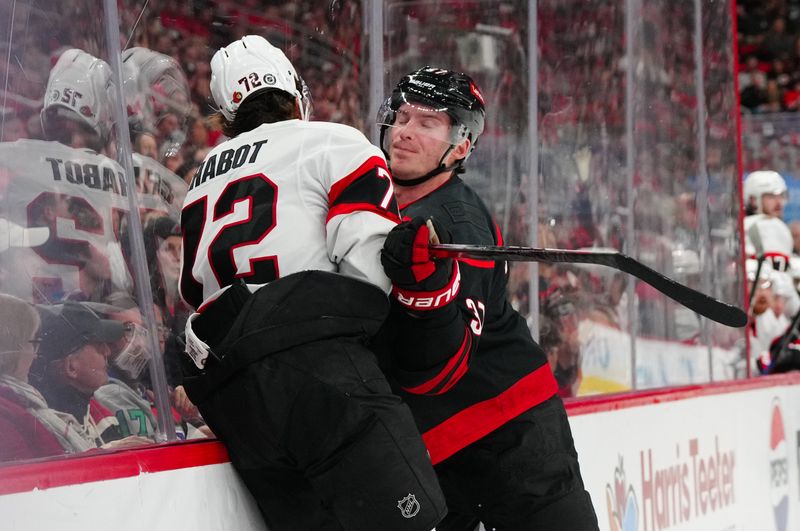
267	106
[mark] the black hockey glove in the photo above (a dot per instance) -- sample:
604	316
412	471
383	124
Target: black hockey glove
420	282
779	360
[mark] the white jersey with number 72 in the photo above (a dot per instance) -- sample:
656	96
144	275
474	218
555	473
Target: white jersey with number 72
286	197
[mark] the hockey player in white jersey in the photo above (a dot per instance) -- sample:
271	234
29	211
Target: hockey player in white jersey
320	187
67	184
768	239
282	229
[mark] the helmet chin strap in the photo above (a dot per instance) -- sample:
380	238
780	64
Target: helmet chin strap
441	168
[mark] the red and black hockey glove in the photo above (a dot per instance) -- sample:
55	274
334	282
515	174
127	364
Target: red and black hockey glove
420	282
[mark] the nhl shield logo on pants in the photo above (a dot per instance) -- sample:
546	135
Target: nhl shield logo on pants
409	506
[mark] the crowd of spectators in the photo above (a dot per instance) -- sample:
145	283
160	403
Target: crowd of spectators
77	358
769	86
598	186
325	40
769	55
594	176
90	385
769	90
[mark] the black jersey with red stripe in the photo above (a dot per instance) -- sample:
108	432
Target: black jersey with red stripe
469	367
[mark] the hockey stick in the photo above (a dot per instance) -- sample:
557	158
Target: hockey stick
699	302
755	239
790	334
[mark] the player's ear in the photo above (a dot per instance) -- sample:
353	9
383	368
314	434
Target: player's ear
461	150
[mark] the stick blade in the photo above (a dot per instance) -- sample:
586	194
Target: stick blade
701	303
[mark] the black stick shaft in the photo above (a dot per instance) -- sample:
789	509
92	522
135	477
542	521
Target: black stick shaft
699	302
754	285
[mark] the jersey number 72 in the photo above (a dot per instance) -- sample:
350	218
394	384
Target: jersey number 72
261	195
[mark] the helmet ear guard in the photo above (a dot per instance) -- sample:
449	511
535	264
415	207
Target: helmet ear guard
251	65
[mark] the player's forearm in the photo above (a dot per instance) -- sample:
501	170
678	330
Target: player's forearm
431	351
355	242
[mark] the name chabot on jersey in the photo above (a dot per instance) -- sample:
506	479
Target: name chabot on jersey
225	161
88	174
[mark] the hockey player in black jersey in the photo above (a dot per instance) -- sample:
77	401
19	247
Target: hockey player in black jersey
282	230
480	388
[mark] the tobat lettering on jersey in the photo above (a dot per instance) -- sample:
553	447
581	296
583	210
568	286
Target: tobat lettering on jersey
89	175
225	161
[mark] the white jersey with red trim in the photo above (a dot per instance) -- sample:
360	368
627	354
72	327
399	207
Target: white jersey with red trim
286	197
769	236
82	197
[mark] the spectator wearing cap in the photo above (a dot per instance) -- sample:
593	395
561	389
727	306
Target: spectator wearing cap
28	427
73	362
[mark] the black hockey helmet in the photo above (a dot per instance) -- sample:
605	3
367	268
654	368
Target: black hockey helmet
454	93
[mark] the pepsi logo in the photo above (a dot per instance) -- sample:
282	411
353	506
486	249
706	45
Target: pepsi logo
778	468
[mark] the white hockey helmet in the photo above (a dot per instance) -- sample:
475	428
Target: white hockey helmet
248	66
79	88
161	83
762	182
134	88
